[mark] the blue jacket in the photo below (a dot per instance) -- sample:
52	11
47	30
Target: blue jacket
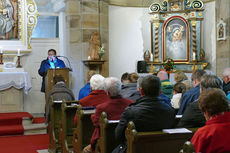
84	91
189	97
43	69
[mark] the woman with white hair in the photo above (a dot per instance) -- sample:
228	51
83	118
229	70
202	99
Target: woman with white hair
114	107
97	95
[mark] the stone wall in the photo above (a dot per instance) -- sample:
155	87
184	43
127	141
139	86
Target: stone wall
223	46
85	17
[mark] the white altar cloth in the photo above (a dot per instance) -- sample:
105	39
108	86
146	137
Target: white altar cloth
17	80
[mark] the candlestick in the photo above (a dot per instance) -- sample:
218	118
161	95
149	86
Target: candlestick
19	62
18	52
1	60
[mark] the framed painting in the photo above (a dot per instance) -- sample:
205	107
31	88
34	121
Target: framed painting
17	21
176	39
221	30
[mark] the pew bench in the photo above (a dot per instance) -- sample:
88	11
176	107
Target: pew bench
106	143
155	142
84	130
54	125
67	126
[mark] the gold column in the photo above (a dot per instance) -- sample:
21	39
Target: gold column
156	57
194	46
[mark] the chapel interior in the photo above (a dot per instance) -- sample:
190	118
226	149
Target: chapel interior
125	31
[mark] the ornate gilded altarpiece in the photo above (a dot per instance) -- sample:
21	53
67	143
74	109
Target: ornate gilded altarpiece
18	20
176	34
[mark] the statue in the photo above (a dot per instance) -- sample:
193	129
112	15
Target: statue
94	46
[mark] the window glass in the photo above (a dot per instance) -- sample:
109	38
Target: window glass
47	27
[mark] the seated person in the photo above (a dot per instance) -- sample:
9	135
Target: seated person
97	95
226	80
178	91
51	62
214	137
86	89
166	85
192	94
124	78
180	77
114	107
59	92
129	89
193	117
149	113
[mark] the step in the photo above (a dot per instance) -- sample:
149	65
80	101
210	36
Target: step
26	121
35	129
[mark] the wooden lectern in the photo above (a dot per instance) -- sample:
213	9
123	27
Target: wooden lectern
49	79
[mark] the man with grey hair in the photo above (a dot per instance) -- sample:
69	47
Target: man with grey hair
226	80
149	113
193	117
114	107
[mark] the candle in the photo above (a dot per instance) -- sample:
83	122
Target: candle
18	52
1	50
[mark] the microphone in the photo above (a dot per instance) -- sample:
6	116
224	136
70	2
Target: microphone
70	68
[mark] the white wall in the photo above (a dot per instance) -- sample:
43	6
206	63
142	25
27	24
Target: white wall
34	102
209	34
129	36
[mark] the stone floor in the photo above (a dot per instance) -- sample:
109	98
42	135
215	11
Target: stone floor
43	151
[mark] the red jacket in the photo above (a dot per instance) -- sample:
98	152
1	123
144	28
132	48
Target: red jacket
214	137
95	98
113	108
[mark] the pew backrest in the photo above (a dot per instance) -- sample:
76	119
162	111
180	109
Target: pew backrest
107	142
154	142
54	125
67	126
84	130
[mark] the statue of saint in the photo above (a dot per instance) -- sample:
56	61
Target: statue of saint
94	46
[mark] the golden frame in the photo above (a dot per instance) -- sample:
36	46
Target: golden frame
186	33
27	20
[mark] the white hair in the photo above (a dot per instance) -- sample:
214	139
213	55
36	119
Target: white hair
162	75
226	72
97	82
113	86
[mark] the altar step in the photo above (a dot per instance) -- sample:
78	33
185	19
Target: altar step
31	128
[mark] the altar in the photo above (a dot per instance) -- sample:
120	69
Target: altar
13	85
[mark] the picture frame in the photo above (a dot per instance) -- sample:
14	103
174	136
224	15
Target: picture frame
176	39
21	18
221	30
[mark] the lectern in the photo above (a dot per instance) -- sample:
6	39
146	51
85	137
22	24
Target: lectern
49	79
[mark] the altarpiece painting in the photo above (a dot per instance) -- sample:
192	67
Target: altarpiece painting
176	33
17	21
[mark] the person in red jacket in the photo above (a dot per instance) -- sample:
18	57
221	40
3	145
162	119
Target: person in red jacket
114	107
97	95
214	137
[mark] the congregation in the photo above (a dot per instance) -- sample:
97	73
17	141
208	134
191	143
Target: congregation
151	102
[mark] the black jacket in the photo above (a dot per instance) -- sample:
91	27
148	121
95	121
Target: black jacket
192	117
148	114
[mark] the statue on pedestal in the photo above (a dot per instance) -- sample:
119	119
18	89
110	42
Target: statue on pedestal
94	46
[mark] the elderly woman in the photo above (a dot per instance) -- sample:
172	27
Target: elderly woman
214	137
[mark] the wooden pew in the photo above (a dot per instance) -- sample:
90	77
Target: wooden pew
188	148
84	130
67	126
154	142
54	125
106	143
